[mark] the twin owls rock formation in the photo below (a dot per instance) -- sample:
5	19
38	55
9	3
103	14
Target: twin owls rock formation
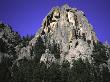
69	28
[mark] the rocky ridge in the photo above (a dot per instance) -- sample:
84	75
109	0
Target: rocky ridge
8	41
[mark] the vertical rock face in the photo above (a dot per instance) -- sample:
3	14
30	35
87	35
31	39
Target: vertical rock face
69	28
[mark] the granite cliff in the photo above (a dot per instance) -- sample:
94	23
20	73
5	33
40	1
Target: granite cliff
65	49
70	30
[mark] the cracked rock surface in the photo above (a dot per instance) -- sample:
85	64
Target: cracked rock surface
69	28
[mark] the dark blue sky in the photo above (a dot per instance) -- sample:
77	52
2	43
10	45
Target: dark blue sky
25	16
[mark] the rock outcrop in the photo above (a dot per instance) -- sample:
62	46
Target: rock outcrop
63	26
69	28
66	46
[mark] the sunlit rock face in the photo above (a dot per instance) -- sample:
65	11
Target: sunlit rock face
69	28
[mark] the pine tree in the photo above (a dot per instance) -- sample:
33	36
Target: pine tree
39	49
99	53
65	69
53	73
5	74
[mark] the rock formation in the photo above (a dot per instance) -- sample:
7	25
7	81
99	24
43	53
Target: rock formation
65	47
66	27
70	29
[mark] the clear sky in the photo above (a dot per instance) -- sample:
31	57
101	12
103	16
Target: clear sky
25	16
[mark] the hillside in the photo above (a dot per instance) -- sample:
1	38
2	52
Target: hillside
65	49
